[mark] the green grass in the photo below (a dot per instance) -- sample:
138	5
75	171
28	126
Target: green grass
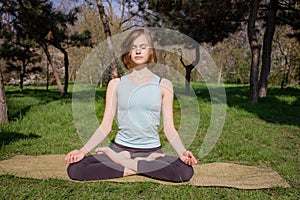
267	134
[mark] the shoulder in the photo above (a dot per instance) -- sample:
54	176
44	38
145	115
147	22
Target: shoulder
165	83
114	82
166	87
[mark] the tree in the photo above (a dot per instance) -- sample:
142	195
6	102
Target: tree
204	21
211	21
67	41
232	58
189	68
89	18
285	58
3	105
253	36
289	14
23	50
278	12
107	32
267	47
273	13
30	19
38	20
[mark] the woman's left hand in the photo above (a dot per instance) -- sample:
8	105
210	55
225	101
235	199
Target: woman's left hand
188	158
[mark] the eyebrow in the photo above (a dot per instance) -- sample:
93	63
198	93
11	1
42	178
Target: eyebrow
143	44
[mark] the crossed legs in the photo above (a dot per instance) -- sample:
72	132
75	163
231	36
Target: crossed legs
111	164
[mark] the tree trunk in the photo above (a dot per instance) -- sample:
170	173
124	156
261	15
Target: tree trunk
22	75
220	75
47	76
105	22
62	92
66	63
3	104
189	68
253	38
267	48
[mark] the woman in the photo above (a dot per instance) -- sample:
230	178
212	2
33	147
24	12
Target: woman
139	96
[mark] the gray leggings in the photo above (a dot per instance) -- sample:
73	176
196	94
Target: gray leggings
99	167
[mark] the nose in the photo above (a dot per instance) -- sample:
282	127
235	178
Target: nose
138	50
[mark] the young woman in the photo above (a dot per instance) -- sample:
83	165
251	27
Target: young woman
139	96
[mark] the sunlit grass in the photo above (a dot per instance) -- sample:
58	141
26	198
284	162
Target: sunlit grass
266	134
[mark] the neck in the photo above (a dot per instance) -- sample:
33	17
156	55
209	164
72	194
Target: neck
141	73
141	70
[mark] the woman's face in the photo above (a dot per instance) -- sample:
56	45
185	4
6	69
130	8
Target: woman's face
140	50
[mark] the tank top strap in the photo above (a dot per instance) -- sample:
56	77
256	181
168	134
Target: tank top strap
156	79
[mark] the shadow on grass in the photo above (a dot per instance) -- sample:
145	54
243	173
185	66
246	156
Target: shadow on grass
19	103
38	93
9	137
279	107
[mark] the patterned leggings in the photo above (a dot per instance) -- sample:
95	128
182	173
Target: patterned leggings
99	167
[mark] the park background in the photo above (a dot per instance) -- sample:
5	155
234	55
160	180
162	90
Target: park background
255	45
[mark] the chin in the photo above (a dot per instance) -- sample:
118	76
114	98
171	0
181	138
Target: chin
137	62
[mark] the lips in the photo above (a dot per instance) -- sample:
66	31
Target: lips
138	57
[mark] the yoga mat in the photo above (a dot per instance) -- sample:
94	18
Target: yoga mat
212	174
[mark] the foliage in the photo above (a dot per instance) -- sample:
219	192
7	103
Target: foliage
212	21
285	58
204	21
37	20
232	58
19	54
289	14
89	19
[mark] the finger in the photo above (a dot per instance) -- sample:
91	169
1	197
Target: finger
187	161
196	161
71	159
68	159
76	159
191	161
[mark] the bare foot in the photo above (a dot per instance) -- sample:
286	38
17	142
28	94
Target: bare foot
114	156
152	156
129	172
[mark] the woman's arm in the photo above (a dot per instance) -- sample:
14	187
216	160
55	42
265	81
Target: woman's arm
105	127
168	122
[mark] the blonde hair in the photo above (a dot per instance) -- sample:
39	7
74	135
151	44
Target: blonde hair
127	45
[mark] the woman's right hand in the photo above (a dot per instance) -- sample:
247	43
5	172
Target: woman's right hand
74	156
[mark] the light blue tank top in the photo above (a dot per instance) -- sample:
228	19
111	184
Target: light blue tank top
139	108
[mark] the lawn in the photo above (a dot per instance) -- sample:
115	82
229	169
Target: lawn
267	134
